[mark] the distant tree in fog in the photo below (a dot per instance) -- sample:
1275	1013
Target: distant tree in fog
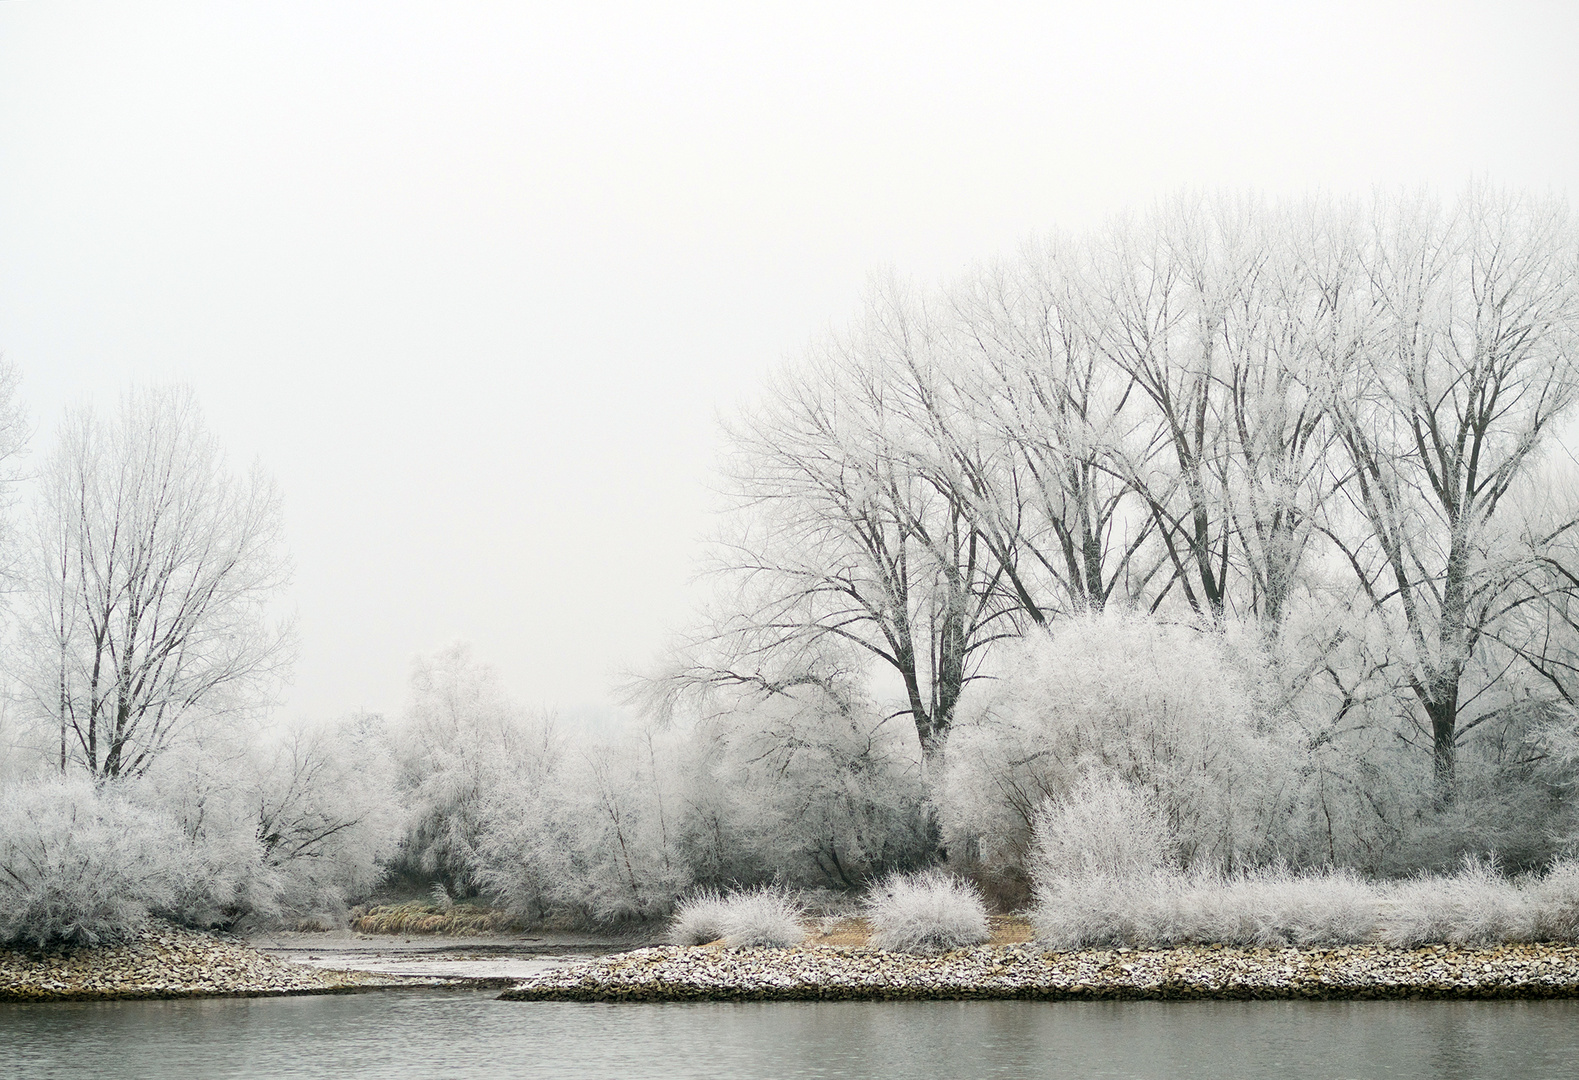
13	438
150	567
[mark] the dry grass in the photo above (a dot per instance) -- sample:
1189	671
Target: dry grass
422	917
1005	930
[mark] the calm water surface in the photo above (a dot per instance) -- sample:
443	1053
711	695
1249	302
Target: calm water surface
468	1034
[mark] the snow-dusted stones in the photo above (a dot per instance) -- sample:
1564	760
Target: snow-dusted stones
676	973
163	962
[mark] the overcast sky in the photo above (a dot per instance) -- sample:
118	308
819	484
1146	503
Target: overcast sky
476	281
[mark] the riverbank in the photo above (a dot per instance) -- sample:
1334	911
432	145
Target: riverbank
165	962
1024	971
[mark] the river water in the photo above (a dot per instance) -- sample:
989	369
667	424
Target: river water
469	1034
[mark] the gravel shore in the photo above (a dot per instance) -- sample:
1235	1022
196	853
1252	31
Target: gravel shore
676	973
164	962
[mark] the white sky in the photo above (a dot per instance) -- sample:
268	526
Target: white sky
475	281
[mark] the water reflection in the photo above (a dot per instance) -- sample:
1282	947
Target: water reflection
468	1034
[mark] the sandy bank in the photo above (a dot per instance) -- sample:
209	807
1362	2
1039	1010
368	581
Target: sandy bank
497	960
819	972
164	962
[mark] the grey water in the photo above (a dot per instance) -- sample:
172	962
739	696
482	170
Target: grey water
469	1034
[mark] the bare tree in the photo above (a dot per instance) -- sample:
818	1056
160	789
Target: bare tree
846	542
1471	363
1208	309
1034	439
151	569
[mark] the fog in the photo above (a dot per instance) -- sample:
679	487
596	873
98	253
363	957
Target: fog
474	282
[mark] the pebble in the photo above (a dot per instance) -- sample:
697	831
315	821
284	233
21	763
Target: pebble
686	973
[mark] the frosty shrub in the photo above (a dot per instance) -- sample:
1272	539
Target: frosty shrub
1475	905
1555	899
1102	828
1276	907
699	918
1103	873
928	911
766	916
1168	708
1478	904
1168	908
80	864
806	786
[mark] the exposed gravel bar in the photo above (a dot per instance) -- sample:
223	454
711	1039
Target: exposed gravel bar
164	962
676	973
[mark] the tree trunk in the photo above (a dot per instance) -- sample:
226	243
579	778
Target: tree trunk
1442	711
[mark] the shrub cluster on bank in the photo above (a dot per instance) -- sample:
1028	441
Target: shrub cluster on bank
1108	870
1140	807
924	912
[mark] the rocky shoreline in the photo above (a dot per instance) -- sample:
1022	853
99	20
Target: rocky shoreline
828	973
165	962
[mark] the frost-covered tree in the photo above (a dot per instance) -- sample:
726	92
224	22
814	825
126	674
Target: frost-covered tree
150	569
1447	407
843	542
462	743
13	440
808	785
1172	709
1028	426
1328	420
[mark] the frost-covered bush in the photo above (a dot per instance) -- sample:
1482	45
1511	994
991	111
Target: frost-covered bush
1276	906
1168	908
1479	904
1171	709
928	911
1555	900
1475	905
807	785
294	822
699	918
462	745
767	916
1103	870
80	863
1103	827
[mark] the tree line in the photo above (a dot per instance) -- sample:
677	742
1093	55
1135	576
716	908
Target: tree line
1339	421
